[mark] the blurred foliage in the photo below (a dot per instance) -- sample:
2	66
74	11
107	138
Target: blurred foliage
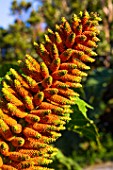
95	88
31	21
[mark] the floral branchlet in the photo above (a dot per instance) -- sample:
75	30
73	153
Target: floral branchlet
35	102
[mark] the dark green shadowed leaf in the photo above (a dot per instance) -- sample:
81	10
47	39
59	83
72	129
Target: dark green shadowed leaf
80	123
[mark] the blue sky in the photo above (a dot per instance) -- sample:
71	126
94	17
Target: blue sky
5	17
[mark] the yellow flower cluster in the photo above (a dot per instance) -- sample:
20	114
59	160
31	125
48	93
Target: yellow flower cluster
36	101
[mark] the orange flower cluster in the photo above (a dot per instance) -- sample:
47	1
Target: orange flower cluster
36	101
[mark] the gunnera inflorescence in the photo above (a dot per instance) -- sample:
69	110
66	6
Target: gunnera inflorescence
35	102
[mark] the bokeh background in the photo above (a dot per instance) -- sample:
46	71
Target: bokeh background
24	21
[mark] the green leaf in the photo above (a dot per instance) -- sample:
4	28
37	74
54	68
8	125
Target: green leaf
65	163
82	106
80	123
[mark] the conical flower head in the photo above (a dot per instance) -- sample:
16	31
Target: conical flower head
36	102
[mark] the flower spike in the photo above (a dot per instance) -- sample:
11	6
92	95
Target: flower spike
36	102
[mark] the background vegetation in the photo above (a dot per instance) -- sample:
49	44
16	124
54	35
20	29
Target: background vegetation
75	150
